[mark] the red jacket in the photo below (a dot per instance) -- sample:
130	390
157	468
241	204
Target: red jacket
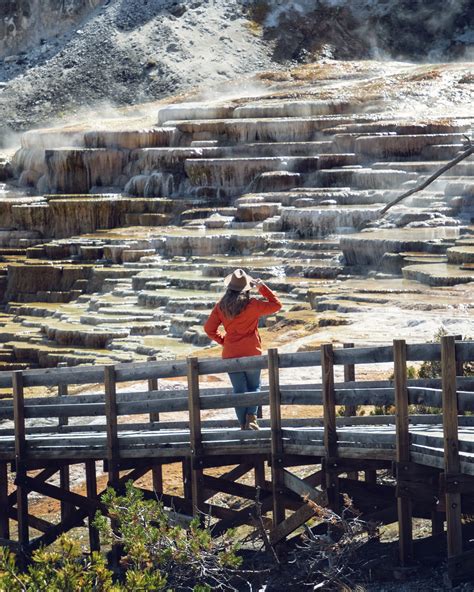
241	333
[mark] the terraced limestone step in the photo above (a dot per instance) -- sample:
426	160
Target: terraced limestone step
368	249
438	274
363	178
326	220
234	174
460	254
247	131
405	145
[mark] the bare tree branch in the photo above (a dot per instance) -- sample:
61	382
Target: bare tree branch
434	176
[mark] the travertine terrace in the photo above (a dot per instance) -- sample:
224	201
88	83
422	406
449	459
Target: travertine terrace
114	238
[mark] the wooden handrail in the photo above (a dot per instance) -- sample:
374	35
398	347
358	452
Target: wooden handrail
146	370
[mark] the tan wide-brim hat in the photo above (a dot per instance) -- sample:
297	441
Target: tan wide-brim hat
239	281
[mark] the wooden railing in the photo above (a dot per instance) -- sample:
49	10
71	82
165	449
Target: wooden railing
326	438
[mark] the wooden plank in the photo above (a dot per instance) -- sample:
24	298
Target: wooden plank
113	450
356	396
259	473
464	382
185	506
276	441
195	434
304	489
77	517
4	520
259	463
20	457
156	471
64	476
452	464
459	483
329	402
344	390
404	509
33	521
350	410
223	460
112	432
346	465
237	472
349	376
44	475
461	567
459	363
62	392
91	488
244	516
329	416
187	479
218	484
289	525
57	493
143	371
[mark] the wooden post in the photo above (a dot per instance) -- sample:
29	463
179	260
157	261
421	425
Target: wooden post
459	363
452	465
4	521
187	479
276	443
195	436
20	450
62	392
259	471
404	506
91	486
459	366
156	471
64	475
350	410
112	425
112	447
349	376
329	418
370	476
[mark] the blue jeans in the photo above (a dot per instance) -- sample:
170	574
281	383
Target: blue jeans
245	382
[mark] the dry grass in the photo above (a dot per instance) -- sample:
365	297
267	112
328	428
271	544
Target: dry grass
424	76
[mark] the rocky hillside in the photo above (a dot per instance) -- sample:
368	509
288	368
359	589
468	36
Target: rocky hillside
71	54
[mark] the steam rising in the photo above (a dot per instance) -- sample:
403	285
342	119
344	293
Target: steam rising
422	28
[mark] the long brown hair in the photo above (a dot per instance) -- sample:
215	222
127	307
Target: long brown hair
233	303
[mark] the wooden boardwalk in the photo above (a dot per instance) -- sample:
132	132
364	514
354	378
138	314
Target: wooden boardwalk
431	456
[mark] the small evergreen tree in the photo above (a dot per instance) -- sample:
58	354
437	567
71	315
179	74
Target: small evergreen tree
158	555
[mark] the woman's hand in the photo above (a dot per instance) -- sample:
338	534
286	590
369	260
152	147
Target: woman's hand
257	282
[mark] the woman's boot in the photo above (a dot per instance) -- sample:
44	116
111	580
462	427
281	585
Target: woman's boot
252	423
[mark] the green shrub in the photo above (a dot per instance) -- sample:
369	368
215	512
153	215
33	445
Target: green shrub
157	555
155	548
63	568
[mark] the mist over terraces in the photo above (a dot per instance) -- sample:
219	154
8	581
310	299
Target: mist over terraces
59	57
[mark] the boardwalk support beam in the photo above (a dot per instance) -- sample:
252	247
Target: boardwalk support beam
404	506
276	443
452	465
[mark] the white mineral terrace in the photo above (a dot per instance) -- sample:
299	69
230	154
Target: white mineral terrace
114	241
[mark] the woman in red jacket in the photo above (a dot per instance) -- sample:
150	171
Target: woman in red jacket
239	314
